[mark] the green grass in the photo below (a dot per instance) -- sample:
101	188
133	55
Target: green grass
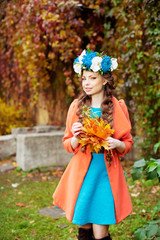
19	207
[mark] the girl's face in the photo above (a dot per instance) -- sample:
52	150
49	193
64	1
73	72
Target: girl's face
92	82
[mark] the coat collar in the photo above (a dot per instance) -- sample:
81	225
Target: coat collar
121	125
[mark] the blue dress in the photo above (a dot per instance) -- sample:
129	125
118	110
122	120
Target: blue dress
95	203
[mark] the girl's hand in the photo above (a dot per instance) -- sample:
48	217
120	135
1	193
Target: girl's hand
115	143
76	129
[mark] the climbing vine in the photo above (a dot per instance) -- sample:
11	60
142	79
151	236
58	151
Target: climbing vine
135	40
40	39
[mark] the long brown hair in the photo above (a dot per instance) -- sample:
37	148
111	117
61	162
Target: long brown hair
106	105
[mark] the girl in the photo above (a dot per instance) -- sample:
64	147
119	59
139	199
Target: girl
93	191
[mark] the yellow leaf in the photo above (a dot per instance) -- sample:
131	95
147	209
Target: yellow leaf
62	34
94	132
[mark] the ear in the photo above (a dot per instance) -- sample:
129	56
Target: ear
104	82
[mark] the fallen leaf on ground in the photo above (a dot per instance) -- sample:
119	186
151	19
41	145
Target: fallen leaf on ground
30	175
44	178
134	194
70	230
20	204
32	221
28	206
155	189
14	164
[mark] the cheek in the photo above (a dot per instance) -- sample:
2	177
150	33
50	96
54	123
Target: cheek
98	82
82	83
100	88
99	85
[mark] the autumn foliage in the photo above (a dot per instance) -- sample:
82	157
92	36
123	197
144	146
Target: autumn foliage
12	117
94	132
40	40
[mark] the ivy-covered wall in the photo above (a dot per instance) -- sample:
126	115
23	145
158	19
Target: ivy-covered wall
40	39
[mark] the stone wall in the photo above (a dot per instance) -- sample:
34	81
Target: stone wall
40	146
35	147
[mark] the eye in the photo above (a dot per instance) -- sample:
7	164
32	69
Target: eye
93	77
83	79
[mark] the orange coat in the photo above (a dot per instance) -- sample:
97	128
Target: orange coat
66	193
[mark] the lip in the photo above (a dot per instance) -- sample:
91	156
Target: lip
88	89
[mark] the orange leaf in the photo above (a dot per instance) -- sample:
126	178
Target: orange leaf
94	133
20	204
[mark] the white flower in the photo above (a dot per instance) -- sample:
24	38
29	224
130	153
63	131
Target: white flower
114	64
81	56
77	68
96	64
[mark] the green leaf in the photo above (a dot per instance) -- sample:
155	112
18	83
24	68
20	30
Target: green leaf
158	170
153	213
152	230
152	167
140	234
153	222
156	146
89	50
136	173
158	206
157	161
151	175
140	163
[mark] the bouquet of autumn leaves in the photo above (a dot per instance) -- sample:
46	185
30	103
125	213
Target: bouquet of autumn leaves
94	132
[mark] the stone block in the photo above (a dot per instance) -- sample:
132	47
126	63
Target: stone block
41	149
7	146
52	212
35	129
6	167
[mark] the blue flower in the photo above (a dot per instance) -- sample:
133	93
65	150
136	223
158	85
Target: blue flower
106	64
94	61
76	60
87	59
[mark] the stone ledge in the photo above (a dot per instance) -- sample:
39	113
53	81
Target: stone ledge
6	167
35	129
7	146
41	149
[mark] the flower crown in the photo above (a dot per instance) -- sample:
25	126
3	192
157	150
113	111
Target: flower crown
94	61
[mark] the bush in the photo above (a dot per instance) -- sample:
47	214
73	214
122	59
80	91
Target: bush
149	230
11	117
151	168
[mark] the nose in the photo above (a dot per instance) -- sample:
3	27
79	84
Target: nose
87	81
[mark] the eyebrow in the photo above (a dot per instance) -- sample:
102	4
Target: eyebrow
89	75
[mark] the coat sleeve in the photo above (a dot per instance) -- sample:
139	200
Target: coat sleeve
127	138
71	118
